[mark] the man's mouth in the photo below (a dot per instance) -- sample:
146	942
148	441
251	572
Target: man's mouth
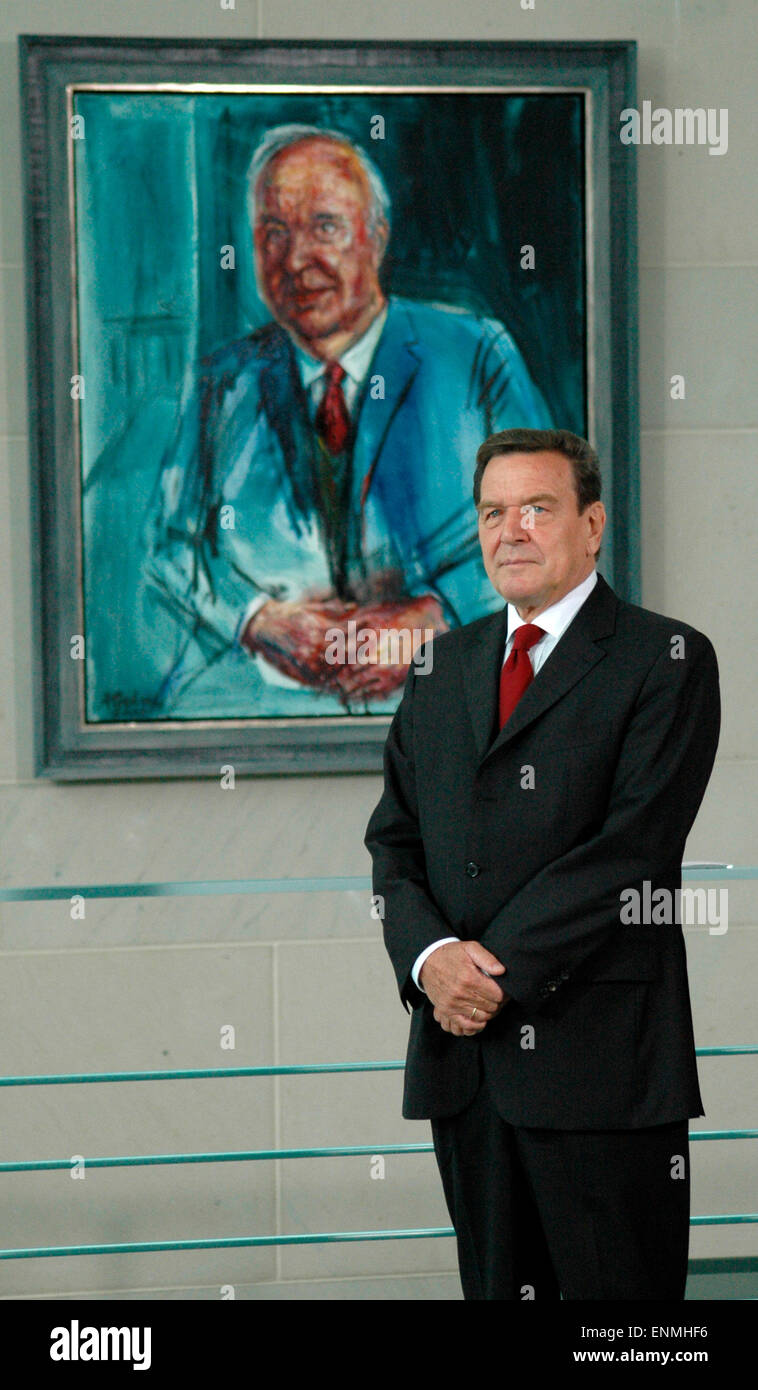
308	295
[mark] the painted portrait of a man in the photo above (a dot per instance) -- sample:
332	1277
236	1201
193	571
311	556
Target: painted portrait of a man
313	487
339	435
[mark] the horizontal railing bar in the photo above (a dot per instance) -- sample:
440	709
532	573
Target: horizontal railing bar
218	1243
224	1156
192	1073
725	1051
723	1134
38	1165
300	1069
221	886
323	1237
187	888
731	1220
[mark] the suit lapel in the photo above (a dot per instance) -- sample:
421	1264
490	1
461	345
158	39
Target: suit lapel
397	362
483	646
574	656
285	405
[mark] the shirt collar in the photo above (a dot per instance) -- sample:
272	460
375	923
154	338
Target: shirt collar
355	359
557	617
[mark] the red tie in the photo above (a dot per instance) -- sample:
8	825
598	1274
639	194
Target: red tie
517	672
332	419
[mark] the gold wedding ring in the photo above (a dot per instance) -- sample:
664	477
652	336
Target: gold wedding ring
474	1013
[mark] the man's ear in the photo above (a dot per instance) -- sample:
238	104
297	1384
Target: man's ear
381	235
598	517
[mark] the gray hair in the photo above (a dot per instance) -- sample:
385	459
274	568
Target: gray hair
579	453
280	137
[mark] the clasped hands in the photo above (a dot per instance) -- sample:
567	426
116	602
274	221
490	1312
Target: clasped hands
294	636
453	979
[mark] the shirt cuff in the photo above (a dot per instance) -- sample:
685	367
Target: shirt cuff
252	608
420	959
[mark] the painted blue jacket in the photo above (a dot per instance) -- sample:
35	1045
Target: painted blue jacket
242	506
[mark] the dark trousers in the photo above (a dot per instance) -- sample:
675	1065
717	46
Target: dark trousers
573	1214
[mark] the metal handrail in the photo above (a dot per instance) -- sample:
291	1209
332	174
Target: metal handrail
326	884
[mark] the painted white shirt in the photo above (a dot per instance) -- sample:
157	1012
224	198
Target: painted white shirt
355	361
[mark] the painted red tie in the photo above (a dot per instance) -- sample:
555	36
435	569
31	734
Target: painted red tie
517	674
332	419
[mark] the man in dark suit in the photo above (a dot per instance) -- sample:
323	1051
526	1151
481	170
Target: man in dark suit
542	777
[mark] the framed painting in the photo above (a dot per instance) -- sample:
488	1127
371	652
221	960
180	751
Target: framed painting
278	294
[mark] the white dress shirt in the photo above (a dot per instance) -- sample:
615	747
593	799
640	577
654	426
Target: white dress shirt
355	361
554	621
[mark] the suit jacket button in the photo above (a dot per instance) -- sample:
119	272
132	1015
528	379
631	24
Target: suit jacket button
472	869
564	974
544	991
552	984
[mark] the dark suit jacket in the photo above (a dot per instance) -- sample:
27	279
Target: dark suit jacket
620	729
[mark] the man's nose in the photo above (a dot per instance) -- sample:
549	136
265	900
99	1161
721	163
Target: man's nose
514	526
299	249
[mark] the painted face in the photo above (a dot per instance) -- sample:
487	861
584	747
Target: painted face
316	260
536	544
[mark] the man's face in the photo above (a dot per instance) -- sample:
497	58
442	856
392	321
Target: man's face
316	263
536	545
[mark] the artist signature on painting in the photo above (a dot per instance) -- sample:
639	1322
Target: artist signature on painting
130	704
